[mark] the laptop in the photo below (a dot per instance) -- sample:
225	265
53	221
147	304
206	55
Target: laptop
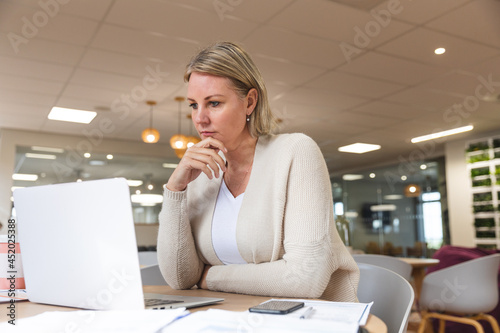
79	248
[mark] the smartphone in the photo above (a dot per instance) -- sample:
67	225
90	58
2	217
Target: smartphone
277	307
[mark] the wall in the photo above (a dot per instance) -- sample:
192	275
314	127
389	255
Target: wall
459	193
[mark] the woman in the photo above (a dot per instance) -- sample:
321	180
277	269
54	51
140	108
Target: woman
259	220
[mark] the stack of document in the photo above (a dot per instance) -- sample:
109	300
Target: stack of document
339	317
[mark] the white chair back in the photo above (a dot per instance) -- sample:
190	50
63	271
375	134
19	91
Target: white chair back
391	263
148	258
151	276
392	295
470	287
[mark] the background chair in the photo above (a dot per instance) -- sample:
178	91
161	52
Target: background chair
465	289
151	276
391	263
391	294
148	258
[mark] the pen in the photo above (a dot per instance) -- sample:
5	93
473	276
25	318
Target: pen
307	313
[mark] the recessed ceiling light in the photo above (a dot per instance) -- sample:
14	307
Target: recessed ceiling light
41	156
393	197
359	148
383	208
373	175
440	50
71	115
87	155
442	134
47	149
491	97
170	165
97	162
25	176
352	177
147	198
109	157
134	183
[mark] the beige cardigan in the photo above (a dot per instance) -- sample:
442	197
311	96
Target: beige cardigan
285	229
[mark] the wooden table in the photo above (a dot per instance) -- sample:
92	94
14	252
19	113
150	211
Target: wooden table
419	266
232	302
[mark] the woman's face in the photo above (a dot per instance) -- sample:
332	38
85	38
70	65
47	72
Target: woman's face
217	111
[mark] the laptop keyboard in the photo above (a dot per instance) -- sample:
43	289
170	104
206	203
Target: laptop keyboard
159	301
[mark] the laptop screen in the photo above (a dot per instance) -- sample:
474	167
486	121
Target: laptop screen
78	245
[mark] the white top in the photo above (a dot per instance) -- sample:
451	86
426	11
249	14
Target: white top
224	226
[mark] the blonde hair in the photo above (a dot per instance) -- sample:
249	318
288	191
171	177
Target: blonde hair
229	60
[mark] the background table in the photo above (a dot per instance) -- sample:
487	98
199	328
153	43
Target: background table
419	266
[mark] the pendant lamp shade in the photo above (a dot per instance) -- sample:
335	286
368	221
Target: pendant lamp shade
150	134
179	142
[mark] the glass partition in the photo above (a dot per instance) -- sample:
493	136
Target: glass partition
146	175
394	211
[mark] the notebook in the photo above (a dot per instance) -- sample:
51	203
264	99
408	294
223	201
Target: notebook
79	248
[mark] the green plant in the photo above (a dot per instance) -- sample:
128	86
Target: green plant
485	234
483	208
484	223
480	171
478	146
497	169
487	246
487	196
497	154
481	182
479	158
496	143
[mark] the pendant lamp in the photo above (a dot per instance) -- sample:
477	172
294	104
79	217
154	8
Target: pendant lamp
150	134
179	141
192	140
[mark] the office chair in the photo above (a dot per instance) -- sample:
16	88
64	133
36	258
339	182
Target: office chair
462	293
391	263
391	294
151	276
148	258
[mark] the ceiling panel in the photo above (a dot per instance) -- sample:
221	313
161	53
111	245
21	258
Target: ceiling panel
421	11
483	17
312	51
353	84
393	69
419	45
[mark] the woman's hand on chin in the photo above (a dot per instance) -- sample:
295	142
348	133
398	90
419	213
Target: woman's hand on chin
202	157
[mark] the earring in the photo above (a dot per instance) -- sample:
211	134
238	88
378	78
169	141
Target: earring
248	118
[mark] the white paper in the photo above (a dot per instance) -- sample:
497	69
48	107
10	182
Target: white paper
20	295
88	321
214	320
336	311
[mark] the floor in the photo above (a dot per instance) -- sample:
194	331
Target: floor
413	322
